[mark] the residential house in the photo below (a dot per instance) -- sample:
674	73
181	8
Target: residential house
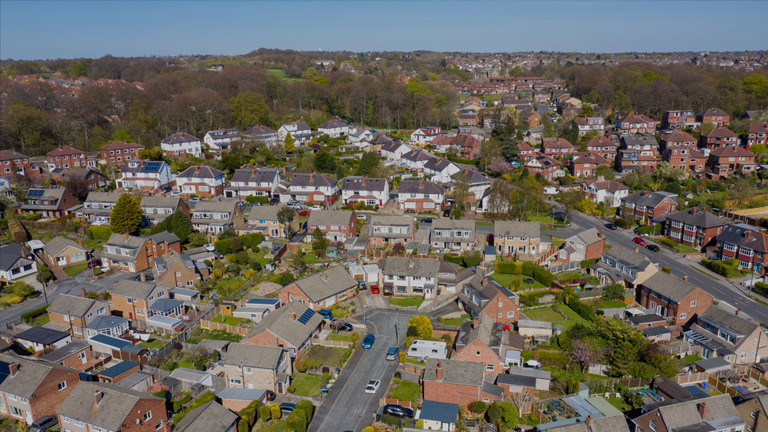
394	150
220	140
521	240
291	327
50	203
359	136
91	178
61	252
723	334
672	298
602	146
649	206
409	276
253	182
607	192
693	227
586	164
752	409
476	181
451	275
202	181
336	225
590	125
677	139
678	119
712	414
647	145
375	142
647	321
311	188
320	290
420	196
76	355
13	163
636	124
117	152
97	406
633	267
31	389
685	159
526	152
758	134
549	168
425	135
334	128
530	116
72	313
467	146
416	159
384	229
747	245
612	423
369	191
264	219
137	300
214	216
485	341
17	263
163	242
98	207
175	269
632	160
440	170
180	144
468	117
157	208
557	147
481	296
257	367
586	245
37	339
715	116
149	176
127	252
454	381
261	133
65	157
452	235
717	138
210	416
728	160
108	325
300	132
440	416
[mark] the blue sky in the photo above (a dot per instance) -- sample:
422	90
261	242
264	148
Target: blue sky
65	29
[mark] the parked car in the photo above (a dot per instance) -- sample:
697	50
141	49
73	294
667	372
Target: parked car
653	248
368	341
490	239
315	208
44	423
194	200
447	212
612	226
287	407
304	213
375	289
393	352
427	220
326	314
361	285
639	241
94	262
274	201
529	280
372	386
294	205
362	217
209	247
175	194
397	410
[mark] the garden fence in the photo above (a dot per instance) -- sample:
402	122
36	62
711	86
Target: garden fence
211	325
331	343
562	268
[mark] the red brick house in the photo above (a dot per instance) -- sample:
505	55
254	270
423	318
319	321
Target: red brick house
674	299
51	203
602	146
748	246
94	179
557	147
337	225
291	327
117	152
467	145
685	159
526	151
76	355
479	296
716	413
636	124
724	161
320	290
632	160
483	341
11	163
585	164
677	139
646	205
588	244
758	134
677	119
716	116
718	137
693	227
459	382
546	166
66	157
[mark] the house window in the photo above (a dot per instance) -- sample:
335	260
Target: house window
753	414
248	370
510	314
235	381
693	303
489	368
477	353
653	425
62	385
683	315
743	355
147	415
158	425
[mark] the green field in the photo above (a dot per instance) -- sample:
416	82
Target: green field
279	73
608	304
506	280
201	334
455	321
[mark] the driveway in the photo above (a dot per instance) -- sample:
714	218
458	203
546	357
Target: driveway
347	407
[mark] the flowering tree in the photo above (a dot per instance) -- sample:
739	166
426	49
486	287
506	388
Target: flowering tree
585	354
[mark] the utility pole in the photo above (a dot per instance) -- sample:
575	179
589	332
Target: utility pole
397	326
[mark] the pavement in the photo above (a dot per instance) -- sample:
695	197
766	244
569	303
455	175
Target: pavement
347	407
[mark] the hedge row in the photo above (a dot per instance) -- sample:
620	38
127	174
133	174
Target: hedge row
532	298
257	199
724	268
526	268
761	288
581	308
34	313
100	232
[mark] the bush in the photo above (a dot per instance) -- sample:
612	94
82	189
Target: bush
297	421
581	308
452	259
34	313
478	407
509	267
308	408
761	288
621	223
100	232
723	268
223	247
274	412
586	263
243	425
300	365
666	270
668	243
265	412
390	420
291	389
516	283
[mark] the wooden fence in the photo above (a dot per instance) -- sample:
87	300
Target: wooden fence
407	404
331	343
696	378
211	325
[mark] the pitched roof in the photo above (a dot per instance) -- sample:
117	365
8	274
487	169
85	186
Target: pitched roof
753	128
421	187
164	237
31	374
354	183
329	217
639	141
678	416
635	118
255	356
649	199
332	124
725	320
679	136
669	286
116	404
714	112
312	179
403	266
589	236
216	206
11	254
698	218
600	141
719	132
41	335
628	256
66	351
72	305
589	158
455	372
259	130
293	331
255	175
10	155
516	229
732	151
64	150
159	201
107	197
142	166
179	138
616	423
57	244
453	224
201	172
559	143
120	240
113	145
132	288
209	417
325	284
266	213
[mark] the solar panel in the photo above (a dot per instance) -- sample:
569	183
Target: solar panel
35	193
152	166
305	317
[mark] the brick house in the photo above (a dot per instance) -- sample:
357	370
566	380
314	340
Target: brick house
135	300
177	270
409	276
257	367
716	413
694	228
585	164
157	208
753	410
727	160
747	245
646	205
483	341
263	219
76	313
758	134
519	239
214	216
320	290
163	242
92	178
674	299
33	388
450	235
127	252
518	381
336	225
467	146
65	157
723	334
93	406
479	296
311	188
603	146
685	159
420	196
636	124
557	147
98	206
61	252
588	244
212	416
369	191
641	322
677	138
253	182
459	382
718	137
201	180
384	229
13	163
630	265
116	152
291	327
716	116
526	152
51	203
590	125
608	192
633	160
76	355
548	167
678	119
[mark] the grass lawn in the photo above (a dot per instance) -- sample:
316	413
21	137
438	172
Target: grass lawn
557	241
549	314
153	343
75	269
279	73
543	219
201	334
414	361
406	390
41	320
619	403
327	356
573	317
307	384
224	319
543	314
311	258
692	358
574	275
614	304
186	364
506	280
340	337
260	257
228	286
278	426
456	321
685	249
406	301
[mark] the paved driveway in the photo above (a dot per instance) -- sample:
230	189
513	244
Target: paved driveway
348	407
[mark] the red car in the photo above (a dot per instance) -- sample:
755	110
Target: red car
375	289
304	213
94	263
639	241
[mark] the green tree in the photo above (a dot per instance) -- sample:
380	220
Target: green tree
460	194
121	135
285	217
570	200
77	68
289	145
614	291
490	152
420	327
126	216
622	359
606	171
248	109
180	225
153	154
368	163
24	123
756	86
325	162
319	242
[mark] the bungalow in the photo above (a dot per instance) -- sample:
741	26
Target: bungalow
61	252
148	176
727	335
50	203
311	188
384	229
369	191
336	225
409	276
451	235
440	416
202	181
672	298
420	196
291	327
257	367
214	216
76	355
461	382
334	128
320	290
220	140
38	339
253	182
17	263
181	144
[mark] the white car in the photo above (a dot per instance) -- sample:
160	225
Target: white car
550	190
209	247
295	206
372	386
362	217
315	208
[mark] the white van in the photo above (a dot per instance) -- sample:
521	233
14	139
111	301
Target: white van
423	349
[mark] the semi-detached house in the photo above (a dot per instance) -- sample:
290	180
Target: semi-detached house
645	205
459	382
485	341
253	182
74	314
201	180
519	239
320	290
618	261
385	229
672	298
300	132
334	128
311	188
747	245
157	208
369	191
117	152
451	235
723	334
214	216
257	367
264	220
693	227
420	196
602	146
409	276
98	207
51	203
481	296
291	327
127	252
181	144
336	225
220	140
137	300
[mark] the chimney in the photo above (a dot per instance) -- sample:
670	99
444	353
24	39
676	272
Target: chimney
485	281
253	171
197	168
702	410
324	276
747	234
637	249
439	370
126	235
692	211
475	322
364	177
588	421
13	368
292	315
643	193
685	278
421	183
142	277
97	396
83	293
142	162
600	233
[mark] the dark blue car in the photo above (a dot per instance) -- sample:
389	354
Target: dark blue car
368	341
326	313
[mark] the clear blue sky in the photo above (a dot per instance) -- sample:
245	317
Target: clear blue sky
65	29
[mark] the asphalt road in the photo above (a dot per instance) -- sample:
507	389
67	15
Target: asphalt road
348	407
720	288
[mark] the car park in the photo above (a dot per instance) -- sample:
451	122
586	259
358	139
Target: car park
393	353
369	341
327	314
653	248
372	386
612	226
44	423
639	241
397	410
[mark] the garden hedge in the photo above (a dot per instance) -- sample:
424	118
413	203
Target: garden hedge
34	313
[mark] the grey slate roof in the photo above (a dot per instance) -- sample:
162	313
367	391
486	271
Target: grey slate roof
165	305
329	217
589	236
516	380
669	286
455	372
420	187
699	218
72	305
516	229
628	256
67	350
617	423
403	266
313	179
103	322
722	319
116	404
265	213
280	323
259	131
650	199
132	288
57	244
31	374
255	356
255	175
210	417
164	237
327	283
332	124
47	194
103	197
453	224
216	206
686	414
201	172
179	138
119	240
158	201
356	183
41	335
12	253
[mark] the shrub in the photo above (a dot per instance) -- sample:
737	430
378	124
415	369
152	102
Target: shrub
265	412
291	389
621	223
390	420
650	229
300	365
516	283
308	408
471	258
723	268
586	263
668	243
447	339
274	412
100	232
761	288
34	313
402	356
478	407
666	269
243	425
297	421
452	259
223	247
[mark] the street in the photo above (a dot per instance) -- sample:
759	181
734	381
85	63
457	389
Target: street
347	407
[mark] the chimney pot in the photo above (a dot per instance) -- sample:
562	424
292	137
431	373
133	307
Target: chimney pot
126	235
747	234
685	278
292	315
97	396
197	168
142	277
13	368
702	410
439	370
637	249
83	293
